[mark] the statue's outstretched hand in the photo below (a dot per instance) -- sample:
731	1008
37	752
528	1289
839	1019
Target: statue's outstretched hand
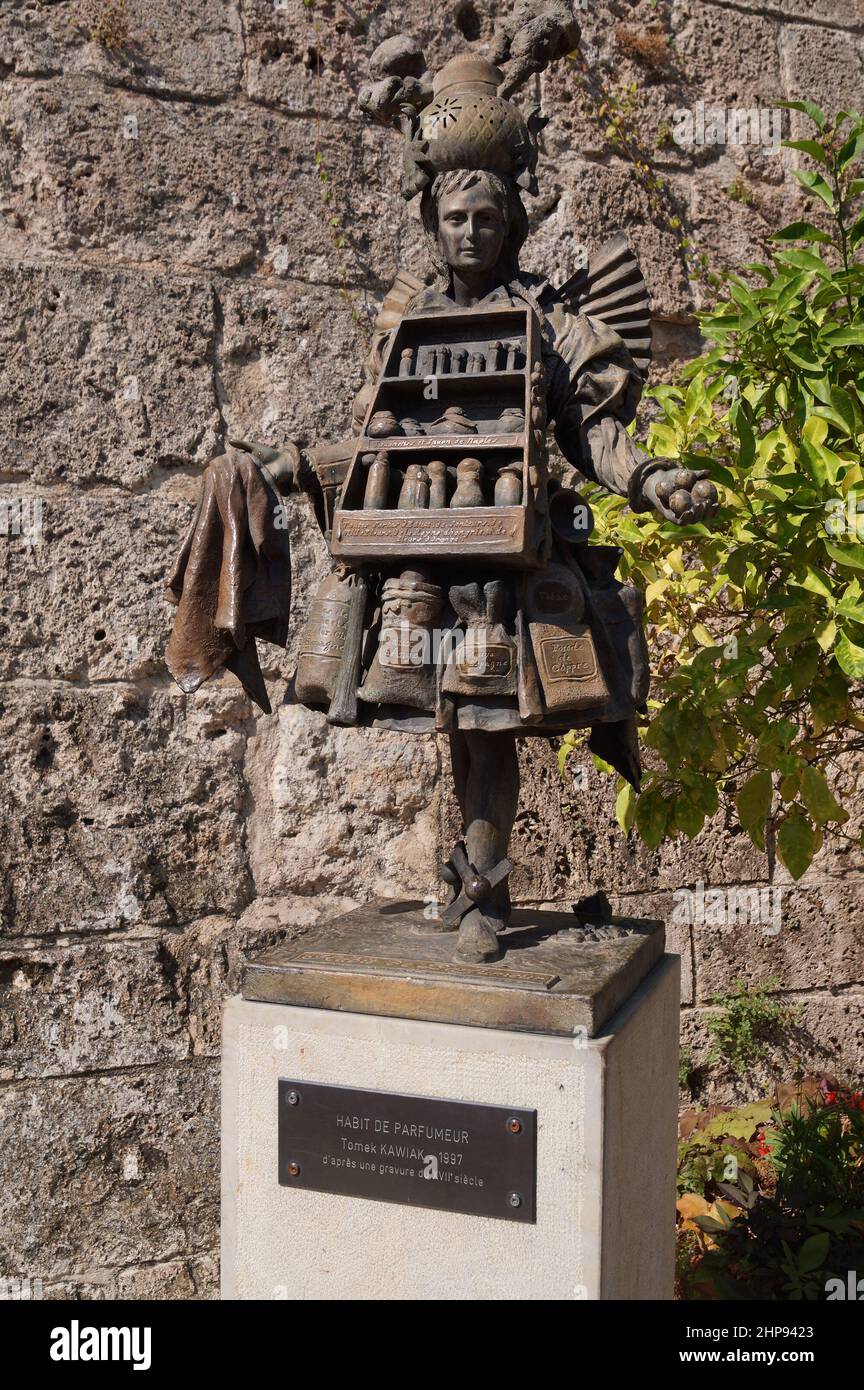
682	495
283	465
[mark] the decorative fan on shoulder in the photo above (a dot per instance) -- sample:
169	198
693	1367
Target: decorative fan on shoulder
612	288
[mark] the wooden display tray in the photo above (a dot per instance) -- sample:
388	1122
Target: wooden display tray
510	534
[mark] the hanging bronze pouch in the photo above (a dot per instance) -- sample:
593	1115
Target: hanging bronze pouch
322	641
620	608
483	658
403	667
563	646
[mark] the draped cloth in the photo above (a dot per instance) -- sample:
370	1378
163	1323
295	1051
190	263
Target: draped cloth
592	394
232	580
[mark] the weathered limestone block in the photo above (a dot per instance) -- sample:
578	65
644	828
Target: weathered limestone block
222	188
314	58
109	1170
191	50
371	835
567	842
204	960
584	188
186	1280
81	1008
105	377
122	806
840	12
87	1288
85	603
759	209
811	936
292	357
825	66
828	1035
729	58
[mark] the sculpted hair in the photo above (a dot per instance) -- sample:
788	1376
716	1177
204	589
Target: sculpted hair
505	195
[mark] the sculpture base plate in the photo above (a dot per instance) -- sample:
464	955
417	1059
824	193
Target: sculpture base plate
561	972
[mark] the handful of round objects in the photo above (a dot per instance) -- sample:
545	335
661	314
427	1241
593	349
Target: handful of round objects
683	495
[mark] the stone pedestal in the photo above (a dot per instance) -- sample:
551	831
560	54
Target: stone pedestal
602	1080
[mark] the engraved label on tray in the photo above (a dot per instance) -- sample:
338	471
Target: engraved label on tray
551	596
488	659
428	530
427	441
568	658
326	628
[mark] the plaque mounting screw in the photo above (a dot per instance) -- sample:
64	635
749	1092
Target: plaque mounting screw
514	1126
514	1199
294	1170
293	1097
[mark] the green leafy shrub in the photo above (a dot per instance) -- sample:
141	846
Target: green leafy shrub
818	1151
705	1162
757	622
794	1216
748	1021
685	1067
105	22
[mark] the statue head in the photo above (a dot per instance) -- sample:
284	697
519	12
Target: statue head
474	221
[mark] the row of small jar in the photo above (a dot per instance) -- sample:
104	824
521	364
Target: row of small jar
426	485
442	360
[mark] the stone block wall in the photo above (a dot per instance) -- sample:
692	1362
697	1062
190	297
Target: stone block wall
171	274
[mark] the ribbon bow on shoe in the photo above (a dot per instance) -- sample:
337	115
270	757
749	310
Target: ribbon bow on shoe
470	890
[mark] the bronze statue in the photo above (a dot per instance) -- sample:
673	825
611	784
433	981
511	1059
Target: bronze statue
466	597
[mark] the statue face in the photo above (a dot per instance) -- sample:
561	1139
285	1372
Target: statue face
471	229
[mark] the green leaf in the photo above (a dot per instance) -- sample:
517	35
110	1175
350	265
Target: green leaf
818	798
851	556
625	806
851	150
754	804
747	438
801	231
688	816
816	114
710	1224
804	260
811	147
797	844
826	635
814	183
851	335
849	657
815	584
804	667
652	814
814	1252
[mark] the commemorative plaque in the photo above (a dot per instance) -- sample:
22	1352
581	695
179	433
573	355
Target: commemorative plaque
413	1150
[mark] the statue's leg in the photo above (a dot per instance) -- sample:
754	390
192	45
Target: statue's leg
486	773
